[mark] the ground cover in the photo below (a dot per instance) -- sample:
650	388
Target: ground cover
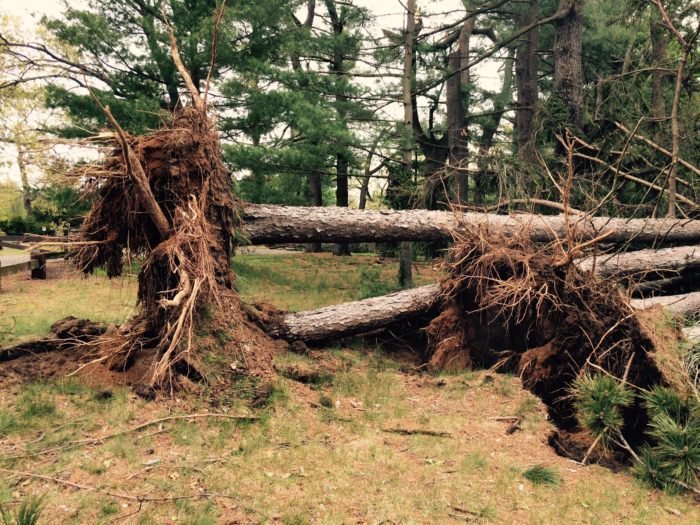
366	438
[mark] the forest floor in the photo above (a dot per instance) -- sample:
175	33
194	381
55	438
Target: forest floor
371	439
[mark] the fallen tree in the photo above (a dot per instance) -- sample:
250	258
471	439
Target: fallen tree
684	305
166	196
333	322
641	262
268	224
358	317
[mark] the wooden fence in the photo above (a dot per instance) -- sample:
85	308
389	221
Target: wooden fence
36	265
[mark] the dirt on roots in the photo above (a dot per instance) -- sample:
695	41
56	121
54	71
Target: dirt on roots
517	306
164	197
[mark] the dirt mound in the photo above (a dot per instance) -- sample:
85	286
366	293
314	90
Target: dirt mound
228	347
514	305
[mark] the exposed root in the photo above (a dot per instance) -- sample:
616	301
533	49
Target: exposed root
185	274
511	304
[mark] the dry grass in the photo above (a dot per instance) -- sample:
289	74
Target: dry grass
318	454
304	463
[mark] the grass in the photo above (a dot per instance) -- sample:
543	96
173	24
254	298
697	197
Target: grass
299	281
541	475
29	308
319	453
294	282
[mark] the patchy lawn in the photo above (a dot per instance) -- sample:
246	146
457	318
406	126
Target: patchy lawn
368	438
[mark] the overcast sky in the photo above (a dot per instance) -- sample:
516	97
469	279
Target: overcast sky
389	14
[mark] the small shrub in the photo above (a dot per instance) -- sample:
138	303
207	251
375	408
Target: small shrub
541	475
372	285
28	513
673	462
599	402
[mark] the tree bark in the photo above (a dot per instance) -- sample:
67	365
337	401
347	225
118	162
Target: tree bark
685	305
405	276
26	187
526	67
659	44
316	198
568	68
343	320
457	107
264	224
645	262
341	158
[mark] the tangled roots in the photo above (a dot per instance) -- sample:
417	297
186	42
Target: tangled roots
511	304
186	254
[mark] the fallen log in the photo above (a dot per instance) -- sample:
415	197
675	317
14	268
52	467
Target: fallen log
684	305
343	320
268	224
642	262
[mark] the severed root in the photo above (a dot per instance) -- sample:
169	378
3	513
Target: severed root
185	290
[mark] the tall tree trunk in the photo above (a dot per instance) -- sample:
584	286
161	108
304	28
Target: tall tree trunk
405	256
316	199
659	44
568	66
526	67
337	70
491	124
315	177
341	196
26	188
457	108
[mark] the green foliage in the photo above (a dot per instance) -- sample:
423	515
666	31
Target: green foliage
664	402
372	284
599	401
673	462
28	513
542	475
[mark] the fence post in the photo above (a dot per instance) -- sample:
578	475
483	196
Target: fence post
40	271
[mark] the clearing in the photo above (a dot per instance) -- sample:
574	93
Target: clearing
348	434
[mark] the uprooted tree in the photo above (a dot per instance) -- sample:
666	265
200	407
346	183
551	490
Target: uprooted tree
166	196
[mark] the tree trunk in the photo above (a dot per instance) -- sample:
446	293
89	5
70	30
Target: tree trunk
568	69
685	305
264	224
526	67
457	106
405	276
316	199
659	44
348	319
343	320
26	188
341	196
646	262
341	158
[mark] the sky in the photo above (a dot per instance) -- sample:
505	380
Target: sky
389	14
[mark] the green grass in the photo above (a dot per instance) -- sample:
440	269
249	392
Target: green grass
295	281
319	453
299	281
541	475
